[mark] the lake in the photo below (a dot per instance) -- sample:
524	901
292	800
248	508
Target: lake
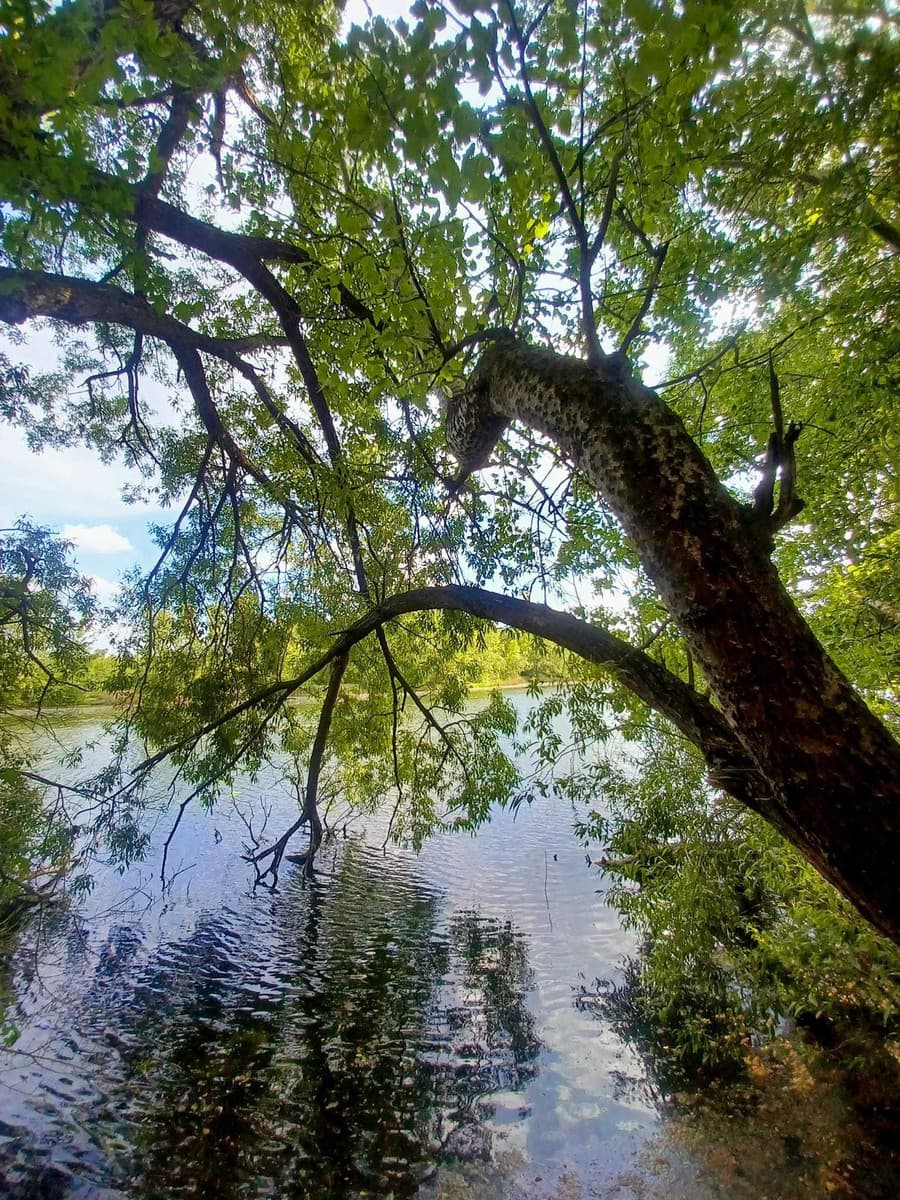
402	1024
398	1020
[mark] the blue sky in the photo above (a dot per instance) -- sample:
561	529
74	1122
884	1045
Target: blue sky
72	491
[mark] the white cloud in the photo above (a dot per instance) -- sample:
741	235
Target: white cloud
59	484
105	590
96	539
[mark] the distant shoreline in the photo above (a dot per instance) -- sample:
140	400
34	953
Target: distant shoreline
109	704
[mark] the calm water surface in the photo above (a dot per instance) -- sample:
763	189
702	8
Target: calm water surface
401	1025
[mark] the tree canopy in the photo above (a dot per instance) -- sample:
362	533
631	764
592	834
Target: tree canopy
275	251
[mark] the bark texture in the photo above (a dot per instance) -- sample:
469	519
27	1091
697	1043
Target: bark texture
831	768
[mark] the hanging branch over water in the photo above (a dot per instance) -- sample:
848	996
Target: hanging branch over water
690	712
310	812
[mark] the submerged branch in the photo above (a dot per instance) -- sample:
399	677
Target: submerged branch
310	812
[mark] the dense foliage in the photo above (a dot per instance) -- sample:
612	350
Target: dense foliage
268	246
45	611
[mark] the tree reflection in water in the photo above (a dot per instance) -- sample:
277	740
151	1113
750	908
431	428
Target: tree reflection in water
354	1044
798	1117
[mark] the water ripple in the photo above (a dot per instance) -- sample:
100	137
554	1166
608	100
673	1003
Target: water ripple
337	1038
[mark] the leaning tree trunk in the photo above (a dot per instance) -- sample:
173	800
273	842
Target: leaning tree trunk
832	770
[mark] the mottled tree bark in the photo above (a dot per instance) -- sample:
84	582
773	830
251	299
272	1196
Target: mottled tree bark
831	768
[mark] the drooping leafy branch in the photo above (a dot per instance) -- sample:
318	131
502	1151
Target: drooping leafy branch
312	234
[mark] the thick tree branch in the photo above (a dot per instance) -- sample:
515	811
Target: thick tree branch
880	225
181	112
780	461
29	294
609	201
26	295
248	254
242	251
691	713
832	768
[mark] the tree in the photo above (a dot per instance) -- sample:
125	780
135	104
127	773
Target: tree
316	239
45	612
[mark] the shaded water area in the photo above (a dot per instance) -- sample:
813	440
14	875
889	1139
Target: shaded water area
402	1025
